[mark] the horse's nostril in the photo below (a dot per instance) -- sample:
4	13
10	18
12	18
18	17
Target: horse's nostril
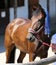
31	39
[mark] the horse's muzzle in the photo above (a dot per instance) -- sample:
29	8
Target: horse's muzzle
30	37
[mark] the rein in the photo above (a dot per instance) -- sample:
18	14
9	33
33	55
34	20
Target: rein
36	32
44	43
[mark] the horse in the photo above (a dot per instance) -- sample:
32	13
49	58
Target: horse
25	34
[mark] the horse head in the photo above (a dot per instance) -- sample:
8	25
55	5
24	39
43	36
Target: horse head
38	20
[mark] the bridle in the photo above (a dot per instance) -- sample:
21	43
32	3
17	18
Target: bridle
35	32
38	37
38	29
30	30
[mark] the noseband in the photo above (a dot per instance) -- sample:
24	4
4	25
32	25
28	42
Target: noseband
39	27
35	32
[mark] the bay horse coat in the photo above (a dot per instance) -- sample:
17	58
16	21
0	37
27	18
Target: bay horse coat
17	36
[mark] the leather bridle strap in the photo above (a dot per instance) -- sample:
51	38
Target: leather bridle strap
39	29
35	32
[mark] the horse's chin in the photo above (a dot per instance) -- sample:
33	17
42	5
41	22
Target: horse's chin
36	42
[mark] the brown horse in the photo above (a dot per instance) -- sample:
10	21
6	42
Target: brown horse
23	33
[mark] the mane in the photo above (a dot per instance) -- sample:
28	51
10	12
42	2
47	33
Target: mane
37	9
